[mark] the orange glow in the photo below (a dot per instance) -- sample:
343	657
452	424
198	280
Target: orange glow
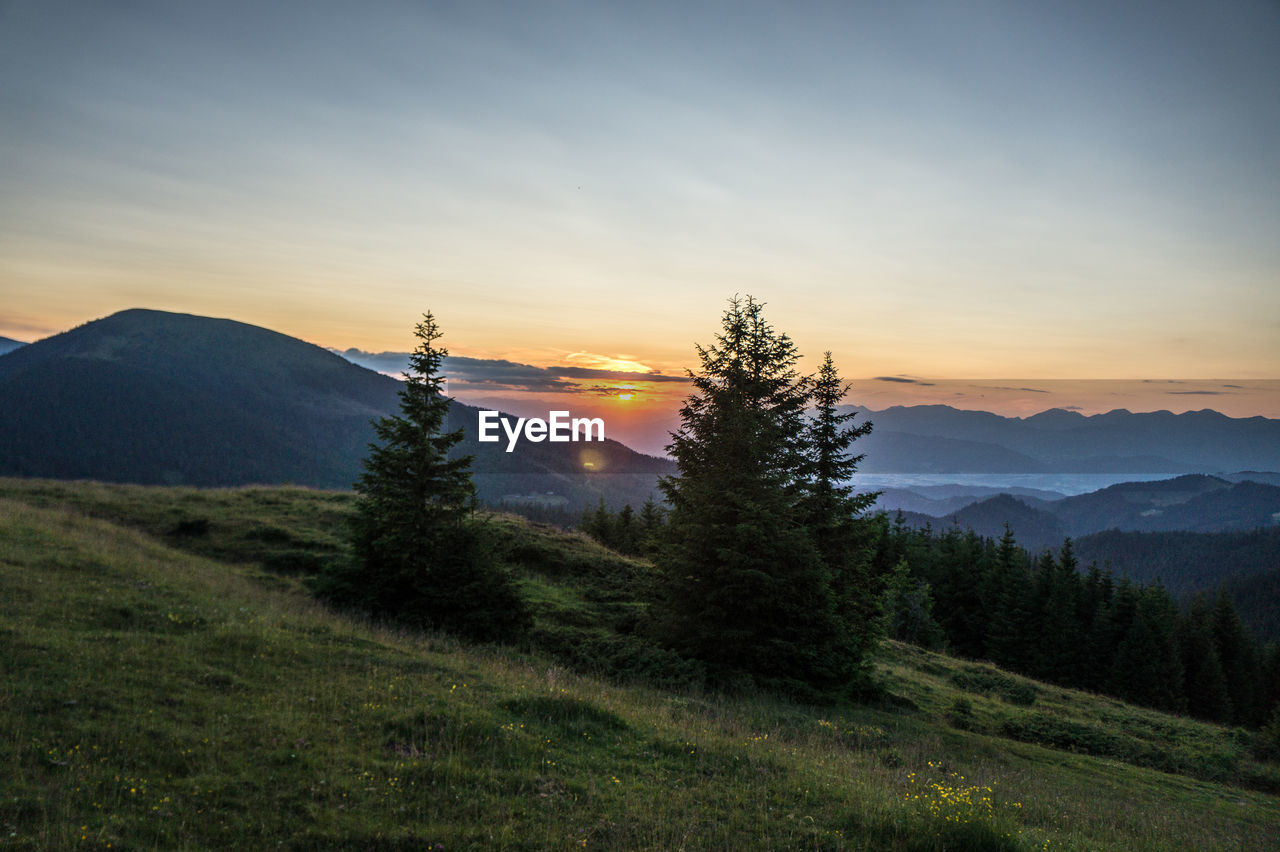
621	363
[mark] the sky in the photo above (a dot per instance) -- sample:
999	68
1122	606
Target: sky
950	197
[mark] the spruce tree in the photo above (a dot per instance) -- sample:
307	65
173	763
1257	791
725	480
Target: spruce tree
741	583
1007	600
1206	685
908	609
1239	658
419	556
1147	668
652	517
833	510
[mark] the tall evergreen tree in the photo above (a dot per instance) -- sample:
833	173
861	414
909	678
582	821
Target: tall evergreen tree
956	581
741	584
1240	664
1147	668
419	557
908	609
833	510
828	437
1096	598
1206	685
1008	604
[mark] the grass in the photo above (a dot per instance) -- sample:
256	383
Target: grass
165	690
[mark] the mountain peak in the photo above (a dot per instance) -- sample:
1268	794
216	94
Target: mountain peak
1056	418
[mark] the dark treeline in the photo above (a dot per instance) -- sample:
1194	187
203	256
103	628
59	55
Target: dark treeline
1243	563
1048	617
1053	620
553	515
626	531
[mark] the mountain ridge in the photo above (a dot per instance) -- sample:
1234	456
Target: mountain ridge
154	397
1190	503
1060	441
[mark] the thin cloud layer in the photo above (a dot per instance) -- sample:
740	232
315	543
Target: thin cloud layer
904	381
499	374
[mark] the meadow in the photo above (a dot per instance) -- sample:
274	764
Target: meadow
169	682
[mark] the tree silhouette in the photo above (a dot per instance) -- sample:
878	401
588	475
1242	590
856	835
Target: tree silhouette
742	584
420	556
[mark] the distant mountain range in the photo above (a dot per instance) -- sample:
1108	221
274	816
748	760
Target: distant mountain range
941	439
161	398
1191	503
8	344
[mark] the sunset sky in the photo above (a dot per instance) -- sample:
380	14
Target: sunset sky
937	192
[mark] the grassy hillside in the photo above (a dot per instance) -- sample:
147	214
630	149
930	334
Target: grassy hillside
169	683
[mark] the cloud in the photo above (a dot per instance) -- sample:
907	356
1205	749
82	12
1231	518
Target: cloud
494	374
1196	393
23	324
393	363
613	375
904	381
1017	390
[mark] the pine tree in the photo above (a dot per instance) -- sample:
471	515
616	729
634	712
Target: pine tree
652	517
1007	601
625	530
908	609
599	524
833	510
1206	685
957	588
1240	664
419	557
1096	603
741	584
1147	668
829	436
1062	634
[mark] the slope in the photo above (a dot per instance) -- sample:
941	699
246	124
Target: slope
159	699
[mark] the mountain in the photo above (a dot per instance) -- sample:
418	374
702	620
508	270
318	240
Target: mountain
8	344
941	439
1191	503
903	452
1032	527
160	398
